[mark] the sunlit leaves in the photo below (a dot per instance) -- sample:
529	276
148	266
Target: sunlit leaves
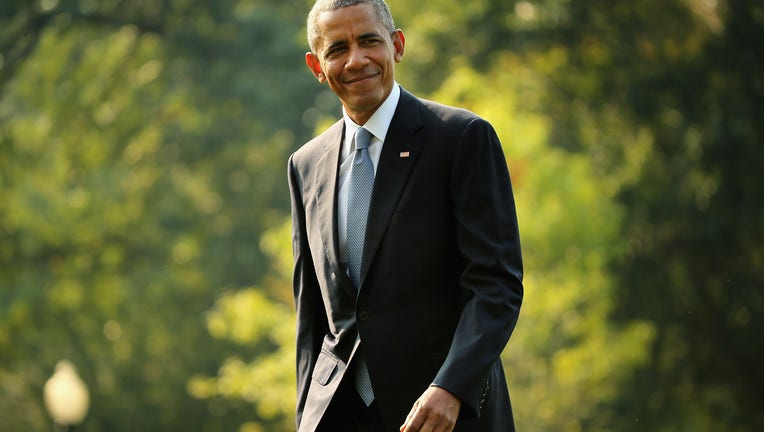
250	318
245	316
126	204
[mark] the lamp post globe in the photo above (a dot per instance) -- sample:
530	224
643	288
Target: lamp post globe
66	396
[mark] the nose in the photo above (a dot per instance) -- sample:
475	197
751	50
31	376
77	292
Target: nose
356	58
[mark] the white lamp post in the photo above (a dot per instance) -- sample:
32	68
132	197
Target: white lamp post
66	396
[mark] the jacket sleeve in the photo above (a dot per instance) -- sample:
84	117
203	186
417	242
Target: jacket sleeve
488	241
311	317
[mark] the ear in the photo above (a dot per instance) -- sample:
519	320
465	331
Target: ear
315	66
399	41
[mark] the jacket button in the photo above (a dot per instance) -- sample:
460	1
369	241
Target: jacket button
363	315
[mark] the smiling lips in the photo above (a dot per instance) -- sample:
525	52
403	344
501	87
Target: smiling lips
360	78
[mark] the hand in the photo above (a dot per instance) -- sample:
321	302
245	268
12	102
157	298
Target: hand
435	411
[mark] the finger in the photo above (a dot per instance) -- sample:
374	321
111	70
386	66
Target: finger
405	426
444	426
436	423
430	425
415	420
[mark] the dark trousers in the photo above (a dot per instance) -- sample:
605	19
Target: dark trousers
348	413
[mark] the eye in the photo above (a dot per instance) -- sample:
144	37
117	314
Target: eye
334	50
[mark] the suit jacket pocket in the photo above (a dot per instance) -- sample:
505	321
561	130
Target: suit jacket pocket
326	364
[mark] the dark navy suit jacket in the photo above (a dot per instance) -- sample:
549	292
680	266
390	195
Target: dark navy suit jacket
441	278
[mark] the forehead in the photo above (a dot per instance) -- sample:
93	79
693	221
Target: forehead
349	23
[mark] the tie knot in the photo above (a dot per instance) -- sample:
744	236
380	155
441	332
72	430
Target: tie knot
362	139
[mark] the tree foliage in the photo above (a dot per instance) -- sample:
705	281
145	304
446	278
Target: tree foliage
137	157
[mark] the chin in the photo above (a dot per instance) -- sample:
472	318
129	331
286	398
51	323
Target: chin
365	104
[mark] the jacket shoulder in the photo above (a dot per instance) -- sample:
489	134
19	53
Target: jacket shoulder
447	113
447	123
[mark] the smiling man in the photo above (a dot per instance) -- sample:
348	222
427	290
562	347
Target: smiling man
408	272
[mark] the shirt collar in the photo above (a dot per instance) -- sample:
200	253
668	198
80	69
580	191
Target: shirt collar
379	122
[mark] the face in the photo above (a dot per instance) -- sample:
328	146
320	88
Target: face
356	56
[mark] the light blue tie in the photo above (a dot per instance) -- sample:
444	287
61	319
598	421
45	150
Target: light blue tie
359	196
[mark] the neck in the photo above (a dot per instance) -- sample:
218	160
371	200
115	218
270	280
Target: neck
361	115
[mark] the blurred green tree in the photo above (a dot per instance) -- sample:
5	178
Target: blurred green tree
688	77
692	73
141	157
267	381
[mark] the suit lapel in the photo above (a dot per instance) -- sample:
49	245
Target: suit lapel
399	154
327	169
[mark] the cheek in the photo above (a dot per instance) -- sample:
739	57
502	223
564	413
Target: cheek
332	72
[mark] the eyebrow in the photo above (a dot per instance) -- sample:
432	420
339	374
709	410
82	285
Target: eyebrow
370	35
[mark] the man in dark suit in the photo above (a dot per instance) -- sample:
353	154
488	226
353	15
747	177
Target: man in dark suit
407	278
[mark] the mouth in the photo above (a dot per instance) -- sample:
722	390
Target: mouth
361	78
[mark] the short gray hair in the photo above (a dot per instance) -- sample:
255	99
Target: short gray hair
380	7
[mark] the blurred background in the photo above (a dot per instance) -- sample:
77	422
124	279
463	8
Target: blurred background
144	211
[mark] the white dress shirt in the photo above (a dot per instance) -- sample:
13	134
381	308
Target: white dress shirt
378	125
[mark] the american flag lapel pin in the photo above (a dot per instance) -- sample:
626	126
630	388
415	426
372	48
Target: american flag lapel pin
405	154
